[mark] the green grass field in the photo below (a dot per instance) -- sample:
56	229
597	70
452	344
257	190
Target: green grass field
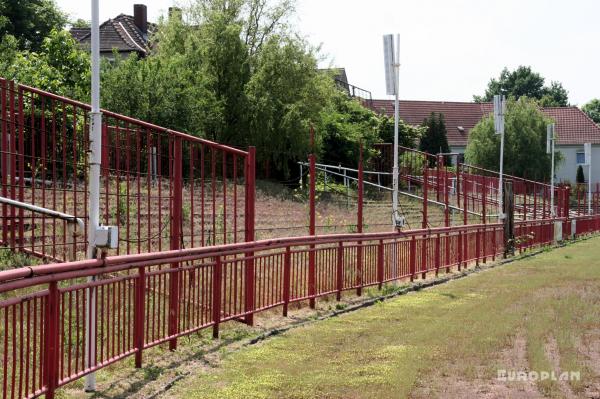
536	314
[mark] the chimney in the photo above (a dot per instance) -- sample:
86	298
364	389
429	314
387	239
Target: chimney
140	17
175	12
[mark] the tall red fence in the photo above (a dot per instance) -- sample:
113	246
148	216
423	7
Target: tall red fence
164	189
441	180
43	324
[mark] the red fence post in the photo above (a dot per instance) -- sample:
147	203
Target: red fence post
465	202
477	247
312	228
140	315
287	265
249	235
339	275
413	258
460	249
437	254
359	225
425	189
446	199
424	243
175	240
216	296
483	200
380	262
51	352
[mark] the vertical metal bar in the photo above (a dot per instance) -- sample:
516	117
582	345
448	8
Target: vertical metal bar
465	203
380	260
484	200
249	274
51	321
339	275
359	225
437	254
287	261
413	257
424	222
460	249
139	315
216	297
312	228
175	240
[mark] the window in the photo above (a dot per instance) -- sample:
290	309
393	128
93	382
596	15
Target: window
580	158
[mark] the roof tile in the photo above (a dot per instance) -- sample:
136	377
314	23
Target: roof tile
573	126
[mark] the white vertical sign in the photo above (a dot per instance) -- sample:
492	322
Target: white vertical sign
499	111
587	149
389	58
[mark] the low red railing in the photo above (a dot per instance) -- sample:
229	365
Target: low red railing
139	301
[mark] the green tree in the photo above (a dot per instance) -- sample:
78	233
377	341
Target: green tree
80	23
284	95
525	142
434	139
523	82
60	66
345	125
30	21
408	136
592	109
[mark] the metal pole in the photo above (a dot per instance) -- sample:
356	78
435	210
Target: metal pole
552	213
396	121
95	152
501	202
590	182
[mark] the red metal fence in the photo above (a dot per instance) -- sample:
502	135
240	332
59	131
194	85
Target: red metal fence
472	190
43	324
151	177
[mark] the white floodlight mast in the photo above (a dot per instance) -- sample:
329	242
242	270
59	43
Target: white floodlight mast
95	137
392	70
550	138
588	156
499	110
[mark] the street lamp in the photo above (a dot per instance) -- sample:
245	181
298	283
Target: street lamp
550	139
499	111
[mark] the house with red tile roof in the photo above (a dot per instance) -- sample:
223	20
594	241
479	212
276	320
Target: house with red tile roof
573	127
124	34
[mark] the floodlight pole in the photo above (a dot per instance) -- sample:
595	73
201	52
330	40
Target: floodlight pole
501	201
396	122
499	110
95	137
552	211
590	182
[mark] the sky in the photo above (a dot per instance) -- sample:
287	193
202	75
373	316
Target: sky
449	49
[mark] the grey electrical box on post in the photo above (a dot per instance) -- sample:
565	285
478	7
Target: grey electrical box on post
107	237
558	232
